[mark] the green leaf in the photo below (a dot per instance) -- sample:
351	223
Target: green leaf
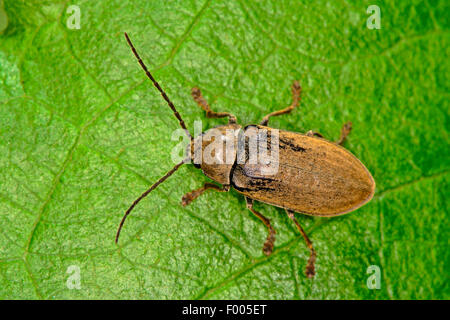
83	133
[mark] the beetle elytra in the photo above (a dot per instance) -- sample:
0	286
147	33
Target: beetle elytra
314	176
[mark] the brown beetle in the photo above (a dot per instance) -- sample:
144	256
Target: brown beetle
314	176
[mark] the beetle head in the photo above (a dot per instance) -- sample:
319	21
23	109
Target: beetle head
214	151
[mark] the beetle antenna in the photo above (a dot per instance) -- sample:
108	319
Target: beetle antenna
153	187
156	84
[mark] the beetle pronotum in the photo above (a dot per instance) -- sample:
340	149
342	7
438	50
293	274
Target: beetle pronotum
314	176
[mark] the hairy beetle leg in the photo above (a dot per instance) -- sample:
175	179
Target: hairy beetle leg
198	97
310	272
268	245
345	131
296	96
191	196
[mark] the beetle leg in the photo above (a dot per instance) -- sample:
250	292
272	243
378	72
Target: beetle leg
197	95
296	96
345	131
311	133
191	196
312	257
268	245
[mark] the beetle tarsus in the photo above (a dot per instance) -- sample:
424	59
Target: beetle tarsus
310	269
268	245
186	199
345	131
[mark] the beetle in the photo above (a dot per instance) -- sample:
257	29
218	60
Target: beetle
314	176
